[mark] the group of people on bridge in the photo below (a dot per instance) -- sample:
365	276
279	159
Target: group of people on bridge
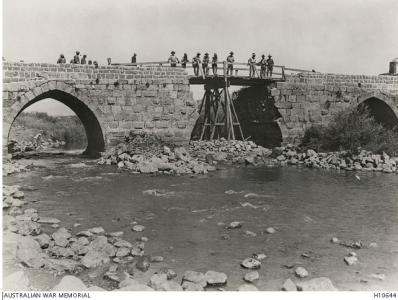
266	65
77	60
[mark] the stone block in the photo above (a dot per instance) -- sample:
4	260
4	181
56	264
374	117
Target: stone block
138	125
161	124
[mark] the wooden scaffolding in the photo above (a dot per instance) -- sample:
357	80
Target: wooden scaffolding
220	118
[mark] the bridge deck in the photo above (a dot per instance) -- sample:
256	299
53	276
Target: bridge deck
219	81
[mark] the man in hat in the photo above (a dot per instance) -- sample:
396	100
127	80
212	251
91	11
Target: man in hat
173	60
205	64
263	66
252	65
184	61
270	65
76	58
84	59
134	58
195	64
230	63
61	59
214	62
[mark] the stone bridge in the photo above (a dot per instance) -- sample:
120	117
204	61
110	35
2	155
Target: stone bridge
113	100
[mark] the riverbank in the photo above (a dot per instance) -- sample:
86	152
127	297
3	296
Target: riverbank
214	222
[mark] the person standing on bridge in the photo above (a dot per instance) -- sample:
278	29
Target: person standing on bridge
61	59
184	61
134	58
263	66
270	66
76	58
195	64
205	64
173	60
230	63
214	62
252	65
84	59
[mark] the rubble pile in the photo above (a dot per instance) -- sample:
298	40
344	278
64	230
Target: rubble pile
233	151
342	160
34	145
143	153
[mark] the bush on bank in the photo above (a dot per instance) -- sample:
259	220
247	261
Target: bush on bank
352	129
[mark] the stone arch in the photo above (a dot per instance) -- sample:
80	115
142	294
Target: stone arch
67	95
381	107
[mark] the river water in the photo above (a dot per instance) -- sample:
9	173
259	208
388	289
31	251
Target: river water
184	222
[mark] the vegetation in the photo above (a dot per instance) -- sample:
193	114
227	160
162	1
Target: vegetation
351	130
63	128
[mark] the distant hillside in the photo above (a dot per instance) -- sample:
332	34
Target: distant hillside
68	129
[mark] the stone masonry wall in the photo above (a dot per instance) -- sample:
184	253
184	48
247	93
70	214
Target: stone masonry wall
152	99
312	98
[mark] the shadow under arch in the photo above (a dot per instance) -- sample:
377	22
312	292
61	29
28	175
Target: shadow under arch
259	116
381	111
95	137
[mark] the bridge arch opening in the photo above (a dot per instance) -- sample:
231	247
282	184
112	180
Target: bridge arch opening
258	116
92	127
381	112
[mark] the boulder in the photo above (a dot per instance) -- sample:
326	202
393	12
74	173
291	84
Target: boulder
143	264
96	230
215	278
29	253
234	225
101	244
301	272
70	283
350	260
146	167
138	228
123	244
132	285
251	276
195	277
26	227
48	220
289	286
156	259
43	240
247	288
61	237
62	265
122	252
156	281
79	248
61	251
94	259
250	263
316	284
192	287
17	281
169	273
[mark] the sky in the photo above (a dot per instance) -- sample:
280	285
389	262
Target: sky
333	36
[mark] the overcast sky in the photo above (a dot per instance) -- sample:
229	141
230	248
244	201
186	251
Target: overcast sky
335	36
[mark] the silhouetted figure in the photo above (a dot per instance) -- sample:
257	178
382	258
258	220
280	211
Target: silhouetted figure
90	62
263	66
134	58
173	60
270	66
205	64
84	59
109	61
61	59
214	62
95	63
184	61
195	64
230	63
76	58
252	65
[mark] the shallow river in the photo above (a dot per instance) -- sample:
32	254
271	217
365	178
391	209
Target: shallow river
306	207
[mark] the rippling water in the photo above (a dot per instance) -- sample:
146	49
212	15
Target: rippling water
306	207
